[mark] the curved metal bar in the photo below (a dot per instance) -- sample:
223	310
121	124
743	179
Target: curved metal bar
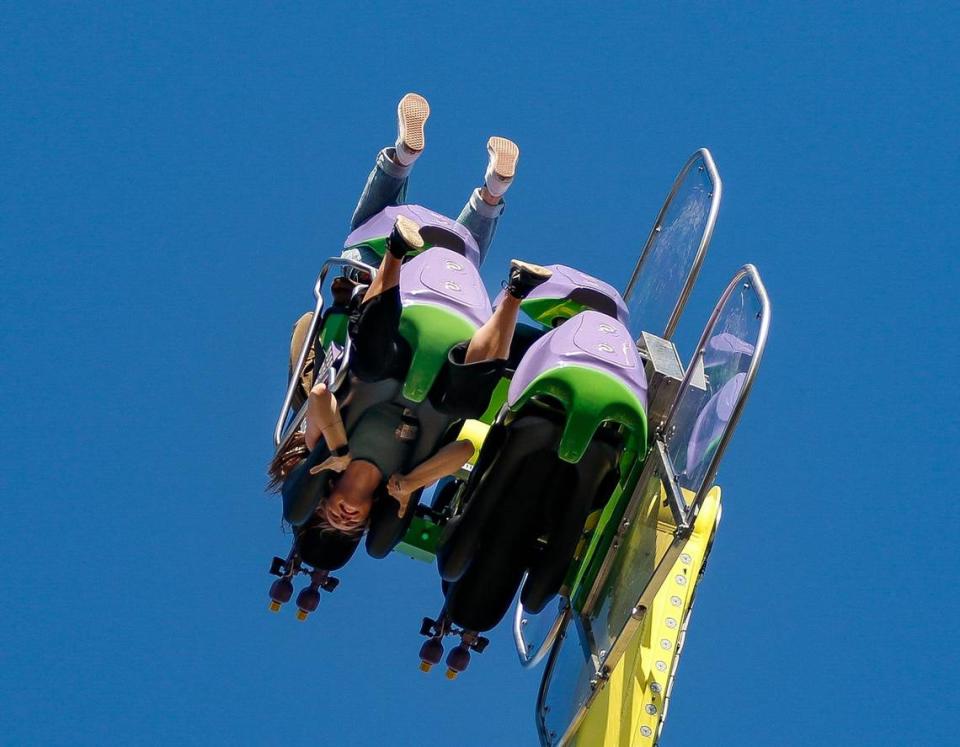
747	271
292	427
333	262
714	174
542	732
527	661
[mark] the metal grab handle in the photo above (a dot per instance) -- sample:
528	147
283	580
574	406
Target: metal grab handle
310	340
526	660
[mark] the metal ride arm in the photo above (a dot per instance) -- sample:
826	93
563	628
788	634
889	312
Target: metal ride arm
670	494
281	433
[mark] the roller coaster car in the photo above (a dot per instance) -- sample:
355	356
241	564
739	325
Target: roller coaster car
592	482
444	302
572	426
567	428
573	499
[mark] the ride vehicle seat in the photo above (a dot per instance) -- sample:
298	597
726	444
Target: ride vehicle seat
437	231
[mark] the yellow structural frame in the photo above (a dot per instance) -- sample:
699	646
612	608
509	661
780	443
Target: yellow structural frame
630	708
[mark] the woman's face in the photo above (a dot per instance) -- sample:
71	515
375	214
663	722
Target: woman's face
350	501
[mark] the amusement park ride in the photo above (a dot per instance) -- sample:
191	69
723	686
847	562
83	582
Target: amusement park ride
591	488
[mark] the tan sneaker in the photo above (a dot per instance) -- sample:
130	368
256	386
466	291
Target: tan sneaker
412	114
502	167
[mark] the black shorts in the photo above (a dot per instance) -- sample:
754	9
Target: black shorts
380	352
463	390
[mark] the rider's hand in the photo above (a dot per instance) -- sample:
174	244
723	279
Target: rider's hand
398	486
332	463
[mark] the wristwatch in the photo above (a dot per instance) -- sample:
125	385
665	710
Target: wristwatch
341	451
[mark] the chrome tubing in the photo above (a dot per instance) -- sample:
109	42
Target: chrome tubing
334	262
706	236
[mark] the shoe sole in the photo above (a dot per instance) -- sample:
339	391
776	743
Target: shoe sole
504	155
412	113
536	271
409	231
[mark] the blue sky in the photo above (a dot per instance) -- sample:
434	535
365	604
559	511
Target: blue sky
173	175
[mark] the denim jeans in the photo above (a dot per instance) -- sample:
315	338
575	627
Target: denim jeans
387	185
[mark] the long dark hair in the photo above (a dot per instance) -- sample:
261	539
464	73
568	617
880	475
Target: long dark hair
284	462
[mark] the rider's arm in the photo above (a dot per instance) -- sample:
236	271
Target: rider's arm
323	419
445	462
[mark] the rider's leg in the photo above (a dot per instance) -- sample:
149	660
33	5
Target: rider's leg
378	350
404	238
482	212
387	183
473	370
492	340
297	339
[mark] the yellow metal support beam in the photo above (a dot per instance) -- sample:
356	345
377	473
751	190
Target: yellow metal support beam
630	709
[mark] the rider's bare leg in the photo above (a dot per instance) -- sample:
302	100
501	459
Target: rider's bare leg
404	238
492	341
297	339
387	277
323	419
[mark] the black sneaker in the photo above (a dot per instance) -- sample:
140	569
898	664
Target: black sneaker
404	238
524	277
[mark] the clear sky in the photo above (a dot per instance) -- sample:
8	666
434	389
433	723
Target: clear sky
172	177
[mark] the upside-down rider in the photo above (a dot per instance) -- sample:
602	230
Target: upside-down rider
375	450
387	184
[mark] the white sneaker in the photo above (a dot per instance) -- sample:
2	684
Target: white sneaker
504	155
412	113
